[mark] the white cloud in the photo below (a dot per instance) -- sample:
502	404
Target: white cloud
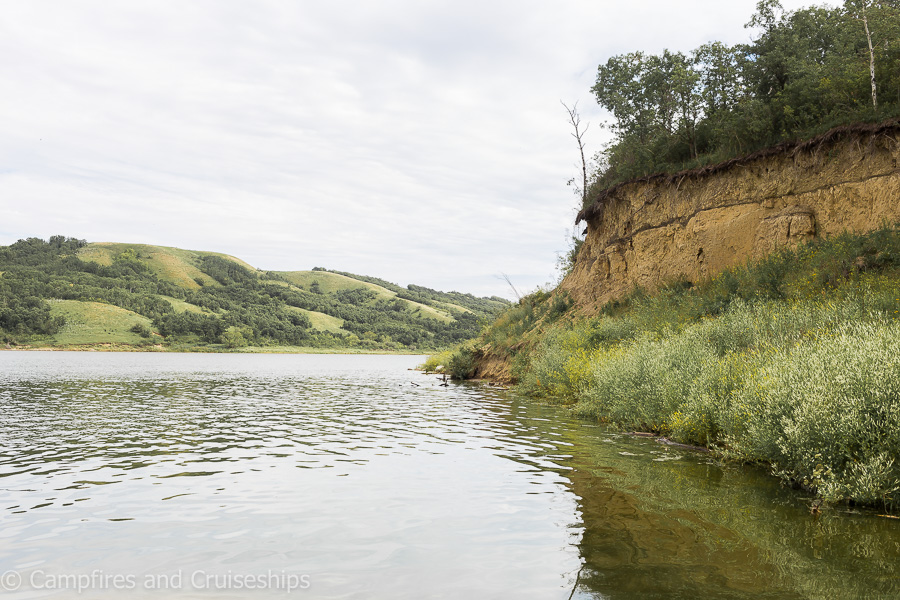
419	142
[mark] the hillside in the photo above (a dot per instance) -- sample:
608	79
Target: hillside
66	292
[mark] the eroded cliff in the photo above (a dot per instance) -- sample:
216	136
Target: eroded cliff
694	224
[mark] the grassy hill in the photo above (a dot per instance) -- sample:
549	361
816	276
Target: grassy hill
66	292
169	264
329	282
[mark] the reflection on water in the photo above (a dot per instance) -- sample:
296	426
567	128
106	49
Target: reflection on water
376	482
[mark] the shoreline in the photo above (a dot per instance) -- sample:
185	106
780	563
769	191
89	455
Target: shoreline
205	350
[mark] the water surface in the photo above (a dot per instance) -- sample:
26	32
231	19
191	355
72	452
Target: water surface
354	477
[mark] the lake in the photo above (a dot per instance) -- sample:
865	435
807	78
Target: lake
328	476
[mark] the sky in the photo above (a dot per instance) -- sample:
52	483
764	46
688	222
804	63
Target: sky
418	141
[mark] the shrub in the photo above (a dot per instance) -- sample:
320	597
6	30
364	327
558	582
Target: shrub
141	330
234	338
437	362
643	384
461	364
828	413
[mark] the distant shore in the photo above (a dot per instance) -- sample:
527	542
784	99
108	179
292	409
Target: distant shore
206	349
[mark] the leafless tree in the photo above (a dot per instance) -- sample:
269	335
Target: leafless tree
861	5
515	291
575	121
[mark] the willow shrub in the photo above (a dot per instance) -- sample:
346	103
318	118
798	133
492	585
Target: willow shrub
437	362
559	366
643	384
810	387
827	412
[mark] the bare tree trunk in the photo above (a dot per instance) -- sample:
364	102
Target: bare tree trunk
515	291
865	21
575	120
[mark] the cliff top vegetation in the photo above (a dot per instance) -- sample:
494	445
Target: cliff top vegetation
806	72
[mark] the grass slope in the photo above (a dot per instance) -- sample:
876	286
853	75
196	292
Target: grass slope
174	265
321	321
180	267
332	282
96	323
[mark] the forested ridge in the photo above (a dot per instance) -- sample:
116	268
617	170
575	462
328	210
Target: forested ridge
230	305
804	72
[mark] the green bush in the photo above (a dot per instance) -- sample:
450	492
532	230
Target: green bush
235	338
461	363
437	362
141	330
828	413
644	384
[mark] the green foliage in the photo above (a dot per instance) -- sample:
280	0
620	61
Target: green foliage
559	304
461	363
437	362
806	72
236	338
811	388
226	272
23	316
141	330
206	328
827	413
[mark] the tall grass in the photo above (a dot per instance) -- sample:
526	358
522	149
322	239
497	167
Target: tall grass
811	388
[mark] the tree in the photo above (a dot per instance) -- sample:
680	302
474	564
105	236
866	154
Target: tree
621	88
234	338
683	81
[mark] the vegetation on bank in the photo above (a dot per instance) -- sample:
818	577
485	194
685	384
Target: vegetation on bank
65	292
806	72
792	361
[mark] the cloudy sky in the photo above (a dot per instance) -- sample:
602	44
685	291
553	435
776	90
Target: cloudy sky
418	141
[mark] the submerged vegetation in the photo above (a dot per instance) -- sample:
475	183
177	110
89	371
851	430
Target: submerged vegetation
792	361
806	72
67	292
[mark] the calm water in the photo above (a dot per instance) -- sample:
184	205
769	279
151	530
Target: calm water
202	476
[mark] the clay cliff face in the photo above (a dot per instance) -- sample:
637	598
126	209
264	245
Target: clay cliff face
694	224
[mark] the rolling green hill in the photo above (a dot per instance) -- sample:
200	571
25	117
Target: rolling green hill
66	292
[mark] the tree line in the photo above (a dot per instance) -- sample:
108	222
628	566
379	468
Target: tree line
806	71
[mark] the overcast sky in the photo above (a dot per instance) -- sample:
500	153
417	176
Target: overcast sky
418	141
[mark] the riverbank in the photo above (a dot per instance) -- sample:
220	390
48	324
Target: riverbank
792	362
